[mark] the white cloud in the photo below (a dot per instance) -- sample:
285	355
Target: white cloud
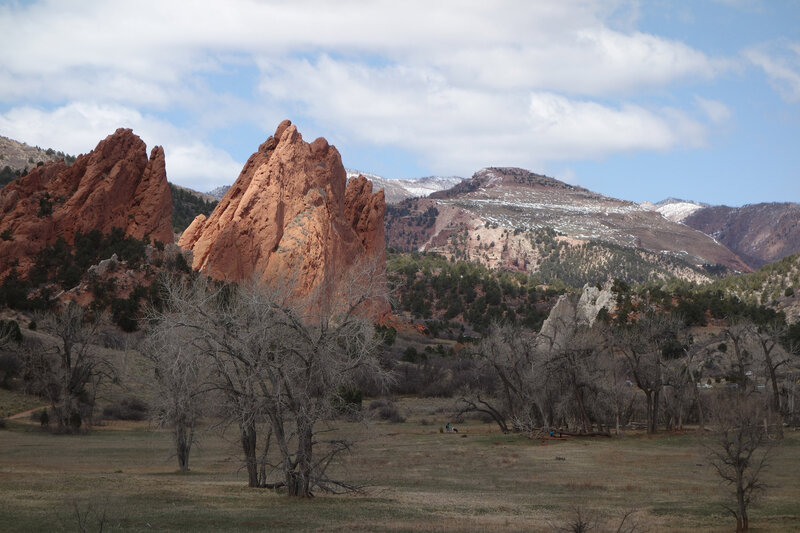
77	128
463	84
716	111
557	45
781	64
458	129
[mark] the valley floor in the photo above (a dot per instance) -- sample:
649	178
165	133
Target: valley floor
420	479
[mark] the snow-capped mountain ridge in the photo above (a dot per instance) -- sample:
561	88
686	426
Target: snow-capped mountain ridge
397	190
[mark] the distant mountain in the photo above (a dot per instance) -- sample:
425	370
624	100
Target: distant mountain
219	192
397	190
758	233
513	218
674	209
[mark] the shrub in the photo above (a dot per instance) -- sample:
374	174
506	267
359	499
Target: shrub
10	327
387	410
129	408
10	367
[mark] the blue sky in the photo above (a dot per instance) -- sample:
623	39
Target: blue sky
639	100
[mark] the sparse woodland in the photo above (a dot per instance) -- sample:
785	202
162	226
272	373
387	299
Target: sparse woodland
282	373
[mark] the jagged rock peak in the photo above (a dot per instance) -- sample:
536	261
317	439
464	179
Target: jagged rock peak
289	211
114	185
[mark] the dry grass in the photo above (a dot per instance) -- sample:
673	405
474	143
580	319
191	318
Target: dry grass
420	480
12	402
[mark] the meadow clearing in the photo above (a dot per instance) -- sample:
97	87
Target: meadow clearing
417	478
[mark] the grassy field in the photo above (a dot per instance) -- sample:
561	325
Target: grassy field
12	402
420	480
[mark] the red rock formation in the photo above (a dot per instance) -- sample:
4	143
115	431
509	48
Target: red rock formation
115	185
289	212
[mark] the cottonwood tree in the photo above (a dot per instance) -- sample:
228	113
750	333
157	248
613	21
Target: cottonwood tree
642	344
280	360
180	379
542	379
739	332
508	354
79	368
739	448
576	365
768	340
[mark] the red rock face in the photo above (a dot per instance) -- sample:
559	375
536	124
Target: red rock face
115	185
289	212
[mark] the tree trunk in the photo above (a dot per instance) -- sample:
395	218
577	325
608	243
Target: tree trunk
700	417
249	448
741	519
298	479
654	416
776	398
183	445
652	411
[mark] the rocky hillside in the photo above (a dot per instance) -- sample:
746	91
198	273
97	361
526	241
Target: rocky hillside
18	155
775	285
18	158
290	210
114	186
187	204
514	219
758	233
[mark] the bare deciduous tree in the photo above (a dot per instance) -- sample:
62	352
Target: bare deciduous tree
280	360
768	340
508	352
739	448
79	369
180	379
739	332
642	344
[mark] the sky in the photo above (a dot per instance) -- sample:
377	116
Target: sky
640	100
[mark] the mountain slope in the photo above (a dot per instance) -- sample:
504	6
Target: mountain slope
17	158
758	233
498	216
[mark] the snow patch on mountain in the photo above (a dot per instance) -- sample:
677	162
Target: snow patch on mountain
397	190
673	209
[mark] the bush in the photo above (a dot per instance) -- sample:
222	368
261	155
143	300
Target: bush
11	328
387	410
129	408
41	416
10	367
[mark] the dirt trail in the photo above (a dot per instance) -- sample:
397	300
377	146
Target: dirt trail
27	413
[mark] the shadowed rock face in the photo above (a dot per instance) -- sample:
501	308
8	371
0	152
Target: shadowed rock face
289	212
115	185
758	233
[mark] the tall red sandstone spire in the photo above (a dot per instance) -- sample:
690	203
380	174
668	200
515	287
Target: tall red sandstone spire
115	185
290	211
